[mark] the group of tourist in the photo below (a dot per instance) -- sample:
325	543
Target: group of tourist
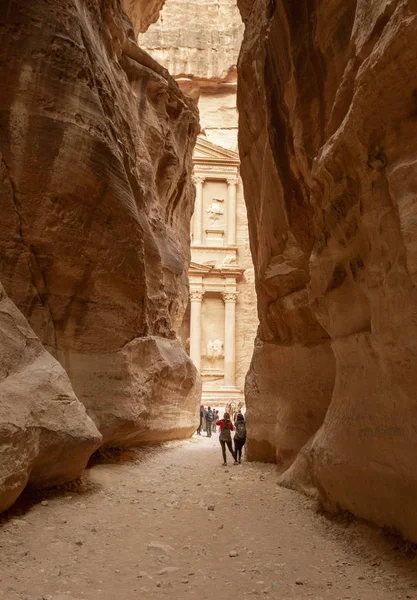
226	427
208	420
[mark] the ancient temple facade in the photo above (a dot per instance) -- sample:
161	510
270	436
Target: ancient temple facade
198	41
220	325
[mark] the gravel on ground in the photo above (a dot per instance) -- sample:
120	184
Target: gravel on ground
172	522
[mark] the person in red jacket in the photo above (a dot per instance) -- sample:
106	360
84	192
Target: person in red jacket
225	437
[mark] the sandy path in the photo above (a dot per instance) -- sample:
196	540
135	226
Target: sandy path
143	530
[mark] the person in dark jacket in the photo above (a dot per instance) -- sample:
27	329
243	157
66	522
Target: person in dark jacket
209	420
216	418
239	412
201	419
240	436
225	437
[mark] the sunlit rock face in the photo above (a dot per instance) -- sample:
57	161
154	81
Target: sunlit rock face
96	198
198	41
328	142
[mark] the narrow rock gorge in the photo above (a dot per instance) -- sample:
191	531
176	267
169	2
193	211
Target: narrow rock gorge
328	143
96	198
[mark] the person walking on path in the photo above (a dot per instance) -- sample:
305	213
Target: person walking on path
240	437
225	437
209	420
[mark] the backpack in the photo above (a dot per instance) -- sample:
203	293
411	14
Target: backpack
225	435
240	430
209	415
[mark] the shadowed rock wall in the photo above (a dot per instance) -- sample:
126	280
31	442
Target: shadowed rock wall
46	437
142	12
96	198
328	142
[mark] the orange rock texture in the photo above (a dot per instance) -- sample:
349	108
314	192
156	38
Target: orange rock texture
328	142
96	198
142	12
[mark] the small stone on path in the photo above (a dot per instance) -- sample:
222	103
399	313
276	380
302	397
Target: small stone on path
167	570
160	546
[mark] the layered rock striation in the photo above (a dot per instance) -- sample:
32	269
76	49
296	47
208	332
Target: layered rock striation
96	199
328	142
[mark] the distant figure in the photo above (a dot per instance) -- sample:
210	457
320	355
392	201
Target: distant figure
209	420
201	419
225	437
215	419
240	437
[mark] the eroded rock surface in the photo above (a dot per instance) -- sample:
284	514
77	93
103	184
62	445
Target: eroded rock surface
154	383
143	12
46	437
328	140
198	41
96	198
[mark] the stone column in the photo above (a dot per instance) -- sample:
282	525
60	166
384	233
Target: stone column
231	211
198	210
230	338
195	327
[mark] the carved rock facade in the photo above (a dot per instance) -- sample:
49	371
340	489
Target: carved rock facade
96	199
198	41
328	141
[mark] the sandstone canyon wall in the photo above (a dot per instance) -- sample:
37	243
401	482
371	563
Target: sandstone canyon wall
328	143
142	12
96	198
46	437
198	41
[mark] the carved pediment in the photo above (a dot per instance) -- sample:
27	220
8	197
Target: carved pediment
210	267
196	267
206	152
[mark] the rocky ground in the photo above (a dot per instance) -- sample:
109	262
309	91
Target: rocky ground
171	522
